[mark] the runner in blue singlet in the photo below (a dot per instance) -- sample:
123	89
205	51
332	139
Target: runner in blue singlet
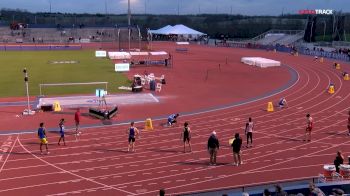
132	132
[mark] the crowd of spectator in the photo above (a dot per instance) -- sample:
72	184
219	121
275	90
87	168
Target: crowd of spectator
313	190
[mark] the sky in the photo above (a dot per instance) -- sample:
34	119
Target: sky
245	7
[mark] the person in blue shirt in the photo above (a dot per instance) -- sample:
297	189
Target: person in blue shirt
172	119
61	126
43	139
132	132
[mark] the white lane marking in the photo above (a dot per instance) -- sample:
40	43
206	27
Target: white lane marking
73	174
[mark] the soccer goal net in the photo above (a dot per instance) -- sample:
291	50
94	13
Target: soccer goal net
71	88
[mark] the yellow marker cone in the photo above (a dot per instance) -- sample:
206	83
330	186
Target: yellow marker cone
331	89
346	77
321	59
57	106
148	124
337	66
269	107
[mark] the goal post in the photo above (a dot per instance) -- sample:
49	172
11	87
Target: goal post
41	86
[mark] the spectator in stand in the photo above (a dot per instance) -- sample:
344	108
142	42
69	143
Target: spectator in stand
279	191
266	192
315	191
213	147
339	159
337	192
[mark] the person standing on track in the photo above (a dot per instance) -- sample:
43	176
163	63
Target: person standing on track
339	159
236	148
213	147
61	125
349	123
43	138
249	132
77	123
186	136
132	132
309	127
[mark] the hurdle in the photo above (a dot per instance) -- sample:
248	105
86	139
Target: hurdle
182	46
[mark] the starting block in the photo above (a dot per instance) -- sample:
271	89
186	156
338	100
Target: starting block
148	124
337	66
269	107
57	106
346	77
331	89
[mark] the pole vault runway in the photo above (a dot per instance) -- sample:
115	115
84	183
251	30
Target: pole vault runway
98	163
93	101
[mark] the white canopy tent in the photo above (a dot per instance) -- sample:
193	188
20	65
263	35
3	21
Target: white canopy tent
176	30
161	31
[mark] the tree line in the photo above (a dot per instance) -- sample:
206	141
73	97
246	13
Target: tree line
215	25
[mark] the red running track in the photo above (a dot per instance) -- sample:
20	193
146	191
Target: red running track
98	162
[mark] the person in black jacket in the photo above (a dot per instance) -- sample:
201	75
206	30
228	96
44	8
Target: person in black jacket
213	147
236	148
339	159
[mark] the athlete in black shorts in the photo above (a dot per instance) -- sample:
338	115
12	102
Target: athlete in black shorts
132	132
186	136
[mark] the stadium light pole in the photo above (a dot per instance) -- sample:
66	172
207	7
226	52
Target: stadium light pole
50	5
312	25
129	23
324	29
129	13
27	111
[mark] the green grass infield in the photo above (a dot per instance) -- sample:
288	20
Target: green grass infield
56	67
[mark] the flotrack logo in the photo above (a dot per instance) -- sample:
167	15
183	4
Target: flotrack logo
317	11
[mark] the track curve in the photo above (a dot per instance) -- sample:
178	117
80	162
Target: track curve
99	164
